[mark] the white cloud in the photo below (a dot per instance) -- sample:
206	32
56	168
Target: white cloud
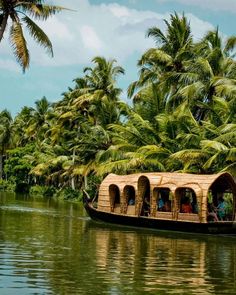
216	5
110	30
90	38
119	11
57	29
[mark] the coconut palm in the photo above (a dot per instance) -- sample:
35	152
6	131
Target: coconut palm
96	94
5	136
209	80
159	64
136	146
18	13
21	124
216	151
174	46
39	123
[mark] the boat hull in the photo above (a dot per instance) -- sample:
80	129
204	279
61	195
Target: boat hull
224	227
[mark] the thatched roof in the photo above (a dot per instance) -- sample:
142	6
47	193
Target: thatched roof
169	179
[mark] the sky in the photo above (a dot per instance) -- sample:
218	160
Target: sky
113	29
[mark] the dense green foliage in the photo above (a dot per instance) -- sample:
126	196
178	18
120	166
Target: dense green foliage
182	118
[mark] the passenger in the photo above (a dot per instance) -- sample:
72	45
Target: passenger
212	212
221	209
131	201
167	206
186	206
161	204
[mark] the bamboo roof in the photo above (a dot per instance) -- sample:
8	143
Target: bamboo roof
170	179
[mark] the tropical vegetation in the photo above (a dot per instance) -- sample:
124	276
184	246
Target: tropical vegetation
182	118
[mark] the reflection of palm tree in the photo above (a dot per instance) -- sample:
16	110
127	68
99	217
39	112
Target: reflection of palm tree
18	13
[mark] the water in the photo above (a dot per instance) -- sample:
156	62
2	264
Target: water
50	247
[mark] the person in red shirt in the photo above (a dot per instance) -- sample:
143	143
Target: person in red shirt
186	206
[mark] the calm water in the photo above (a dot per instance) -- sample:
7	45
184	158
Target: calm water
49	247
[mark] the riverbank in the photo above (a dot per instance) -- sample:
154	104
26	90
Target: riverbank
66	193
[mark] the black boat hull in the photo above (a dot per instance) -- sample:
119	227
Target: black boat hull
223	227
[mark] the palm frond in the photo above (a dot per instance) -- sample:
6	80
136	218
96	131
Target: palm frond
157	34
19	45
231	155
157	56
213	145
212	160
190	156
38	34
230	168
40	11
230	44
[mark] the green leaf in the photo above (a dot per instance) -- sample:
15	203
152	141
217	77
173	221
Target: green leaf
19	45
38	34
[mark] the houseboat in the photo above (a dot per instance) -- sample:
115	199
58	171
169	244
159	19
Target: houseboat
167	201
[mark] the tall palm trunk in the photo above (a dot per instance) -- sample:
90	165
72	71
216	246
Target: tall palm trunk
3	26
85	182
1	165
73	177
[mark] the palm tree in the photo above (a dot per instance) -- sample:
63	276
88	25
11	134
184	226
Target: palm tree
21	124
215	152
21	12
159	64
96	94
209	80
39	123
174	45
5	136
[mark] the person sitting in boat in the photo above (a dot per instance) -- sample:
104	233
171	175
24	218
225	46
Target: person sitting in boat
186	206
167	206
161	204
221	209
212	216
131	201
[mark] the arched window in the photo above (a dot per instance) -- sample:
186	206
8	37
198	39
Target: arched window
221	199
163	199
129	193
130	200
187	200
114	194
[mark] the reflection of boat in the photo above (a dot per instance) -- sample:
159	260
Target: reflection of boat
171	201
183	263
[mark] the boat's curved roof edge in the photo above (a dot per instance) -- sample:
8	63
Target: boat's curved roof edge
161	178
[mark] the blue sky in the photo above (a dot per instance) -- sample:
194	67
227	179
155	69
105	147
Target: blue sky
113	29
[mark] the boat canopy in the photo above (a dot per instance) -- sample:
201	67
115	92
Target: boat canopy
126	194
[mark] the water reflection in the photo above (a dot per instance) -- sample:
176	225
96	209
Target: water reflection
168	262
50	247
